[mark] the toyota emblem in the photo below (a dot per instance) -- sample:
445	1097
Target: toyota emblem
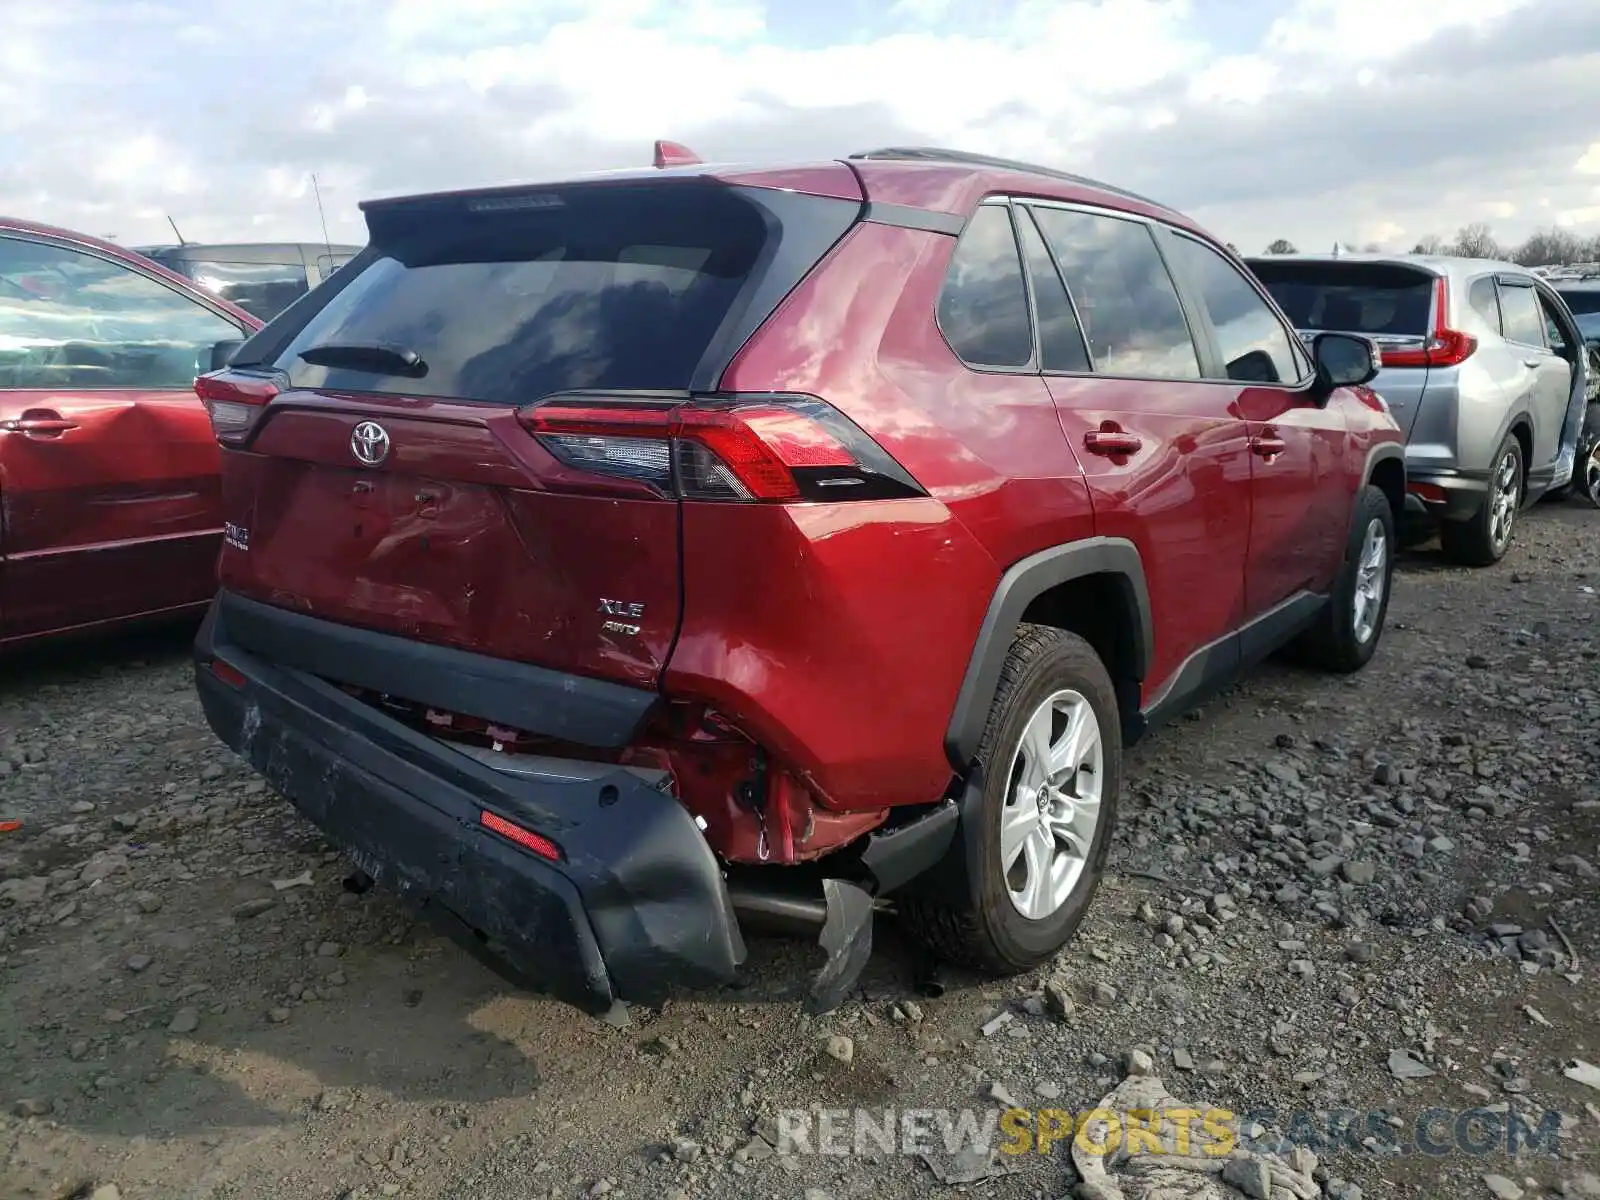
369	442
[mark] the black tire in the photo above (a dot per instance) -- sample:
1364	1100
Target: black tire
1474	542
974	923
1335	643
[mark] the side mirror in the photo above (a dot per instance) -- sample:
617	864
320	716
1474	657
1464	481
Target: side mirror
1344	360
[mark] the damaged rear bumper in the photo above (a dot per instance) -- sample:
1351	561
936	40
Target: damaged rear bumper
635	907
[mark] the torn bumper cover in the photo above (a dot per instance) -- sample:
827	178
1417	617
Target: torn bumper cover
637	905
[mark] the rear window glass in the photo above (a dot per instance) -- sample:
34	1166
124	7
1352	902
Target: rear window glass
1372	298
607	288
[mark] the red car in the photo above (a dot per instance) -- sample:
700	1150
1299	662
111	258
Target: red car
616	562
108	468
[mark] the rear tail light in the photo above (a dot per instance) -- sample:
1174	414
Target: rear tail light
235	401
526	838
1444	347
753	449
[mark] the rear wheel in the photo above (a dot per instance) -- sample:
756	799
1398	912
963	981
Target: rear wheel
1032	854
1346	636
1484	538
1586	474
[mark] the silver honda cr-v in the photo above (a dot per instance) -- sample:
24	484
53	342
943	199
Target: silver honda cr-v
1483	367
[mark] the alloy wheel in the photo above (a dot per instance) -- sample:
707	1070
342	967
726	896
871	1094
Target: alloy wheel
1504	495
1372	576
1052	809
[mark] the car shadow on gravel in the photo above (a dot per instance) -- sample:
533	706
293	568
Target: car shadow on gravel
81	661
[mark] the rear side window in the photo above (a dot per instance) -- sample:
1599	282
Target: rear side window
1061	345
509	299
1371	298
75	321
1255	346
1520	315
1483	304
983	306
1125	298
262	289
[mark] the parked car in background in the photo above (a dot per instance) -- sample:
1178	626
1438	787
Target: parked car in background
109	505
263	278
1482	368
648	554
1582	296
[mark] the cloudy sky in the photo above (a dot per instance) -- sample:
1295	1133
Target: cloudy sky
1362	120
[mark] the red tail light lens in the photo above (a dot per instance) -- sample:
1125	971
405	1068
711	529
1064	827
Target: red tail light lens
1444	347
235	401
772	449
526	838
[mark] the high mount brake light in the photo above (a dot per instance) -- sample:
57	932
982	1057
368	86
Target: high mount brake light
1444	347
771	449
235	401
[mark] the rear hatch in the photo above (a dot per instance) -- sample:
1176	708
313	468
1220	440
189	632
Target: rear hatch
384	471
1391	303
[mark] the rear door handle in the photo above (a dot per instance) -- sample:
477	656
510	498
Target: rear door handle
1267	447
1112	442
48	424
1533	362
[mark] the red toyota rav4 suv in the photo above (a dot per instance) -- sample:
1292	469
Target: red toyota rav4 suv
613	562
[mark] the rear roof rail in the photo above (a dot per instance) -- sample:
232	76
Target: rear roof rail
966	158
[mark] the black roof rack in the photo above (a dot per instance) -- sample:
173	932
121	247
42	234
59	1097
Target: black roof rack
966	158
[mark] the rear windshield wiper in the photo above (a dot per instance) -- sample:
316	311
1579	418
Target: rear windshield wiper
366	356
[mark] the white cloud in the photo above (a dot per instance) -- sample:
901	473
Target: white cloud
183	108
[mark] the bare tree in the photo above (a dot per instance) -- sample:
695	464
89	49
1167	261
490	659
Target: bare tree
1475	241
1372	248
1430	244
1282	246
1549	247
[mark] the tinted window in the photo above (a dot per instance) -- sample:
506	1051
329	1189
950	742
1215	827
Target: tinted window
983	307
1581	300
1125	298
1370	298
1255	346
1520	315
1484	306
262	289
71	320
508	300
1061	345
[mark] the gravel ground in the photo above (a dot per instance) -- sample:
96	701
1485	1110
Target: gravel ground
1376	895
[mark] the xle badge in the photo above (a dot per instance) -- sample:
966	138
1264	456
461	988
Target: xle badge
621	608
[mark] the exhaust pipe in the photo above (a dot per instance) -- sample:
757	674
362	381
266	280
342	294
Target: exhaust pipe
840	919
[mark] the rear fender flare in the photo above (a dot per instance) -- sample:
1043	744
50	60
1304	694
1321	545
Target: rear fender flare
1022	583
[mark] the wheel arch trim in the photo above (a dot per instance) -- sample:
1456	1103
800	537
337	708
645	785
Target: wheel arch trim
1021	584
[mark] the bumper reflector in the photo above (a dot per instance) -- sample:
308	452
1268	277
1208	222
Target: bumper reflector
526	838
